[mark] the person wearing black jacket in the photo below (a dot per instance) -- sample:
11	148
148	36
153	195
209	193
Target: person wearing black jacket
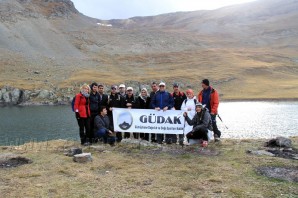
94	107
115	100
130	103
143	102
155	89
178	97
102	97
201	122
102	127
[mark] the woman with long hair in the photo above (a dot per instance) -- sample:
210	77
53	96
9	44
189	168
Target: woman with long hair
82	110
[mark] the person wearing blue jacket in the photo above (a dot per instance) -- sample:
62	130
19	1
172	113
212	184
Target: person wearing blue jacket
162	100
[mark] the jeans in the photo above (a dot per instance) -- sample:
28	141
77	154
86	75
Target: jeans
101	133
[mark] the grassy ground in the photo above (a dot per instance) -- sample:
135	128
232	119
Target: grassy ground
235	73
221	170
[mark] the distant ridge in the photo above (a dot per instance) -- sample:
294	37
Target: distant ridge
237	47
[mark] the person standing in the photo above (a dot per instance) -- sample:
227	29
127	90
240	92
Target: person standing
163	100
154	88
189	105
201	122
103	98
130	103
143	102
94	108
122	90
209	96
82	110
115	100
178	97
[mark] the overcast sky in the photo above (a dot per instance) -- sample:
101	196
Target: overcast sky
123	9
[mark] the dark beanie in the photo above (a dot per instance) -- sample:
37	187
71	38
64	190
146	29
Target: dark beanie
206	82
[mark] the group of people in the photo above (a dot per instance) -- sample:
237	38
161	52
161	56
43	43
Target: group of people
94	111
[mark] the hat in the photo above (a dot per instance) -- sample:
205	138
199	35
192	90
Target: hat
175	85
122	85
162	84
199	104
129	88
206	82
114	87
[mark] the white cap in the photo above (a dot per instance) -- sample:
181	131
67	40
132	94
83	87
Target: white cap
122	85
129	88
162	83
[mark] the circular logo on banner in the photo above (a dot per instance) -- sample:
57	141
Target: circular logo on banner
125	120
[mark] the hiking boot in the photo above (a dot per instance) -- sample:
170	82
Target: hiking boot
169	141
181	143
216	138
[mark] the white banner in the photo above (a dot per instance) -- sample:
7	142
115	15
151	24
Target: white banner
148	121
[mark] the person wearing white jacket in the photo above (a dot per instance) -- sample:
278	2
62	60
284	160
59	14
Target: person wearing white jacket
189	105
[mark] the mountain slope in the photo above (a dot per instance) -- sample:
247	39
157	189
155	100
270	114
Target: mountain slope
245	49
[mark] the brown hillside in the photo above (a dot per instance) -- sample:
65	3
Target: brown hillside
247	51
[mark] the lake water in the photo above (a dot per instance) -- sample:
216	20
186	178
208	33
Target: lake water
243	119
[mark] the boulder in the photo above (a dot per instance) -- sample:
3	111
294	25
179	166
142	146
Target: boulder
15	96
26	95
8	160
260	152
283	142
7	97
74	151
82	158
44	94
279	142
52	96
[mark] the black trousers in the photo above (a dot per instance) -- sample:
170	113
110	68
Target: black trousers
201	133
92	132
85	133
214	125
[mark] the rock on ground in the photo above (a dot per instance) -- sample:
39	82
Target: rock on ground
288	174
82	158
8	160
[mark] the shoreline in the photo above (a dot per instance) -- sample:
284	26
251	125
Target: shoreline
165	145
261	100
48	103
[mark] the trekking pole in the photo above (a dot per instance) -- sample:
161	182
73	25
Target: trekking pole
222	121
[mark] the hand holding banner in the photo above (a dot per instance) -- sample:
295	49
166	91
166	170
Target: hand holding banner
148	121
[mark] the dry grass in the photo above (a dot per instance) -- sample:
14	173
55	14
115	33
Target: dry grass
234	72
126	171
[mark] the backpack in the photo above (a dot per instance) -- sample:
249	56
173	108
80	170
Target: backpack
119	97
194	100
73	103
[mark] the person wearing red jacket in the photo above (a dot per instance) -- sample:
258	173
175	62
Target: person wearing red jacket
209	96
82	110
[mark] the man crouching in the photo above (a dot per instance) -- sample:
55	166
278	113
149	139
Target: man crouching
201	122
103	129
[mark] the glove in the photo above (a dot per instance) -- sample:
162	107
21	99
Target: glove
77	115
